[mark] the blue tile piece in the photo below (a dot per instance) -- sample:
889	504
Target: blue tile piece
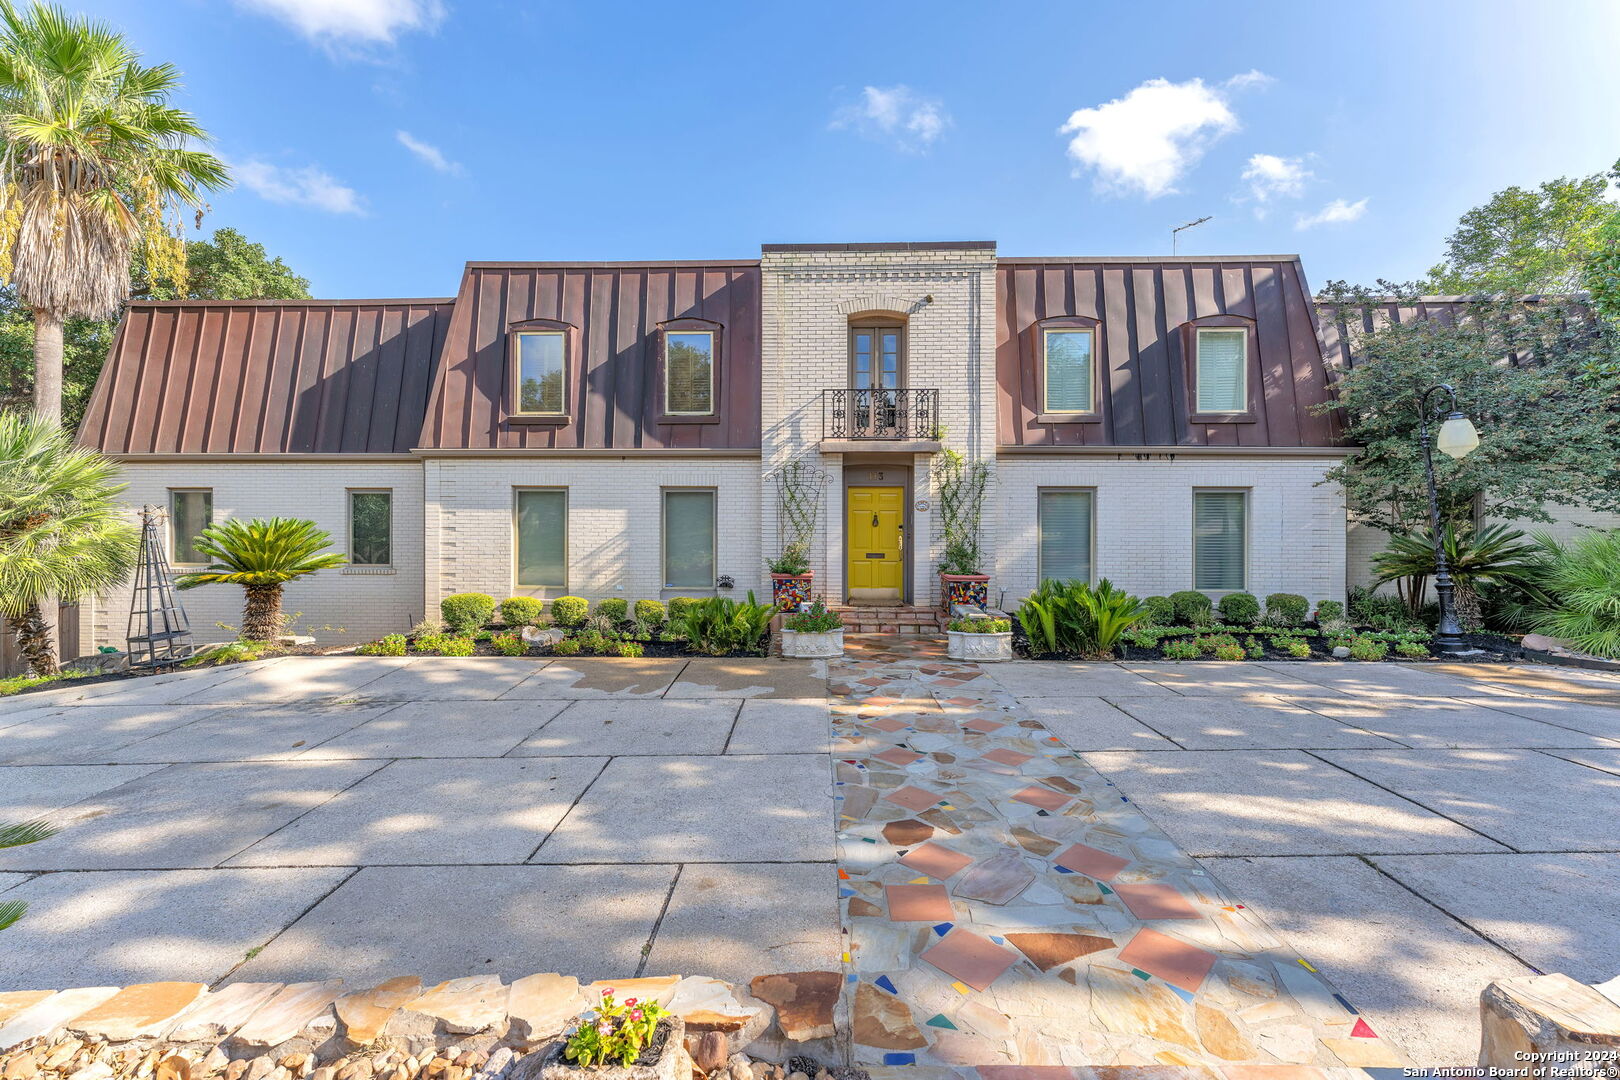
1183	994
998	940
851	977
899	1059
1063	869
845	892
883	981
942	928
1042	813
1349	1008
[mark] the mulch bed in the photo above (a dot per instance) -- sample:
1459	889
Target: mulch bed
1494	649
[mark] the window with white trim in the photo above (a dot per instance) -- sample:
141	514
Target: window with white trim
1065	521
689	531
689	372
1222	370
540	370
540	520
191	510
1220	540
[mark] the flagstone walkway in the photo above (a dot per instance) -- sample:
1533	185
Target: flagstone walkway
1004	904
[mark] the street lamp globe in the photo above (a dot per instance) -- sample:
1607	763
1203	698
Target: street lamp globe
1456	437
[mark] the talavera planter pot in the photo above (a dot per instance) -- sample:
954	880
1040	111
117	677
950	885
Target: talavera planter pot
665	1068
799	645
967	590
788	591
983	648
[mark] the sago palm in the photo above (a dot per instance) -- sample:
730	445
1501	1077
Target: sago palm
29	832
261	556
95	164
61	533
1492	555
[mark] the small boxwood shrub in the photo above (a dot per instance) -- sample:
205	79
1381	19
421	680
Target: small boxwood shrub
614	607
521	610
1329	610
508	645
680	605
1191	607
570	610
1240	607
1366	648
1160	611
1182	650
467	611
650	612
1286	609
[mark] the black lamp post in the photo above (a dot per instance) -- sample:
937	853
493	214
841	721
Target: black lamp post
1456	438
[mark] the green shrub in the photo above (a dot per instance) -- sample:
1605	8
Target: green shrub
1299	650
616	608
1381	611
467	611
1191	607
1076	617
980	626
1230	652
457	646
508	645
1241	608
1578	587
1412	650
1160	611
570	610
816	620
387	645
1256	650
721	625
1211	642
1286	609
680	605
566	647
431	643
1366	648
1329	611
1182	650
631	649
430	624
650	612
521	610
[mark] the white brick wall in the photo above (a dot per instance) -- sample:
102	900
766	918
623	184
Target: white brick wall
809	298
1143	521
614	523
365	604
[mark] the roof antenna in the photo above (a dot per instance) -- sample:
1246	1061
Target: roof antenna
1175	232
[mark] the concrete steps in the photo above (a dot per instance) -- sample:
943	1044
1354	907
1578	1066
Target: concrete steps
905	620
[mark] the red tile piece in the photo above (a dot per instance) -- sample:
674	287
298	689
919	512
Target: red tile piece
1176	962
1008	757
1045	798
936	860
1155	902
889	723
965	955
912	798
1363	1030
919	903
898	755
1091	862
983	723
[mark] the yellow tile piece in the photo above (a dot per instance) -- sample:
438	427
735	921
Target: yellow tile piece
961	988
918	881
846	958
1304	964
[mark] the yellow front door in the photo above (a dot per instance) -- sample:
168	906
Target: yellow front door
876	553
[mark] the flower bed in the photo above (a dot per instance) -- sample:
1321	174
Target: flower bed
1273	644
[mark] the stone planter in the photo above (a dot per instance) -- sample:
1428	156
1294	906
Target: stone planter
967	590
788	591
800	645
984	648
665	1068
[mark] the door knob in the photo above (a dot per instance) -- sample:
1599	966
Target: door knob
874	521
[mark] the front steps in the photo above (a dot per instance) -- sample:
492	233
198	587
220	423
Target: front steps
905	620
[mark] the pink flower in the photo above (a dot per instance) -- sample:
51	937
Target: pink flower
629	1001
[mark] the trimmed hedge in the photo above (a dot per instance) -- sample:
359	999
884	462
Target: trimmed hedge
650	611
1240	607
467	611
570	610
1161	612
521	610
1286	609
614	607
1192	607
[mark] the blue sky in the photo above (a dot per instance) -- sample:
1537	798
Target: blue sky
378	144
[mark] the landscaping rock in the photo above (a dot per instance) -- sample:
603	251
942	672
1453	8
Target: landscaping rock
136	1010
539	1007
365	1014
1547	1014
293	1008
216	1015
1340	652
804	1000
463	1006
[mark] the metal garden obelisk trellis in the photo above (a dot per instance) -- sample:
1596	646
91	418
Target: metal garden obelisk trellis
159	632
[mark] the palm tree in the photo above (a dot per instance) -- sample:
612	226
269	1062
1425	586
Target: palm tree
261	556
95	165
61	534
29	832
1491	555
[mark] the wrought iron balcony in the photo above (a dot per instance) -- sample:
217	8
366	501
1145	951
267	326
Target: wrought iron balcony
851	413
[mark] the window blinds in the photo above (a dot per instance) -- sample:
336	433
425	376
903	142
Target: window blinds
542	528
688	539
1221	386
1065	535
1218	539
1068	371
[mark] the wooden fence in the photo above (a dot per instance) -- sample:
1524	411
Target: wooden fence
11	658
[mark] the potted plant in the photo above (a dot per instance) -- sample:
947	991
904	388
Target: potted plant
962	487
813	634
979	637
791	577
632	1040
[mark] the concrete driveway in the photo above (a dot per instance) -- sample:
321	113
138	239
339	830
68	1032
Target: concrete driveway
309	817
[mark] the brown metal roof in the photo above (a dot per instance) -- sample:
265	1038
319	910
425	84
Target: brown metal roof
614	311
1143	308
295	376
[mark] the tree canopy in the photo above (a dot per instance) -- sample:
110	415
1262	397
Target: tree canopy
1527	241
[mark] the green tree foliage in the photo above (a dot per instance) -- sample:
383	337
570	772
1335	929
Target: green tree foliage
228	267
1601	275
1492	556
29	832
262	556
1549	422
1525	241
1579	592
61	534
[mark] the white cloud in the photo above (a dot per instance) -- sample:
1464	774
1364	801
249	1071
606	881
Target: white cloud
1270	176
351	22
1249	80
428	153
1337	212
895	113
1146	140
308	186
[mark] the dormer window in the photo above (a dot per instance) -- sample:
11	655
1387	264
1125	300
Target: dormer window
1221	370
689	372
540	366
1070	366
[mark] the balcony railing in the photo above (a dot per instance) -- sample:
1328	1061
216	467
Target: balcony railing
880	414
